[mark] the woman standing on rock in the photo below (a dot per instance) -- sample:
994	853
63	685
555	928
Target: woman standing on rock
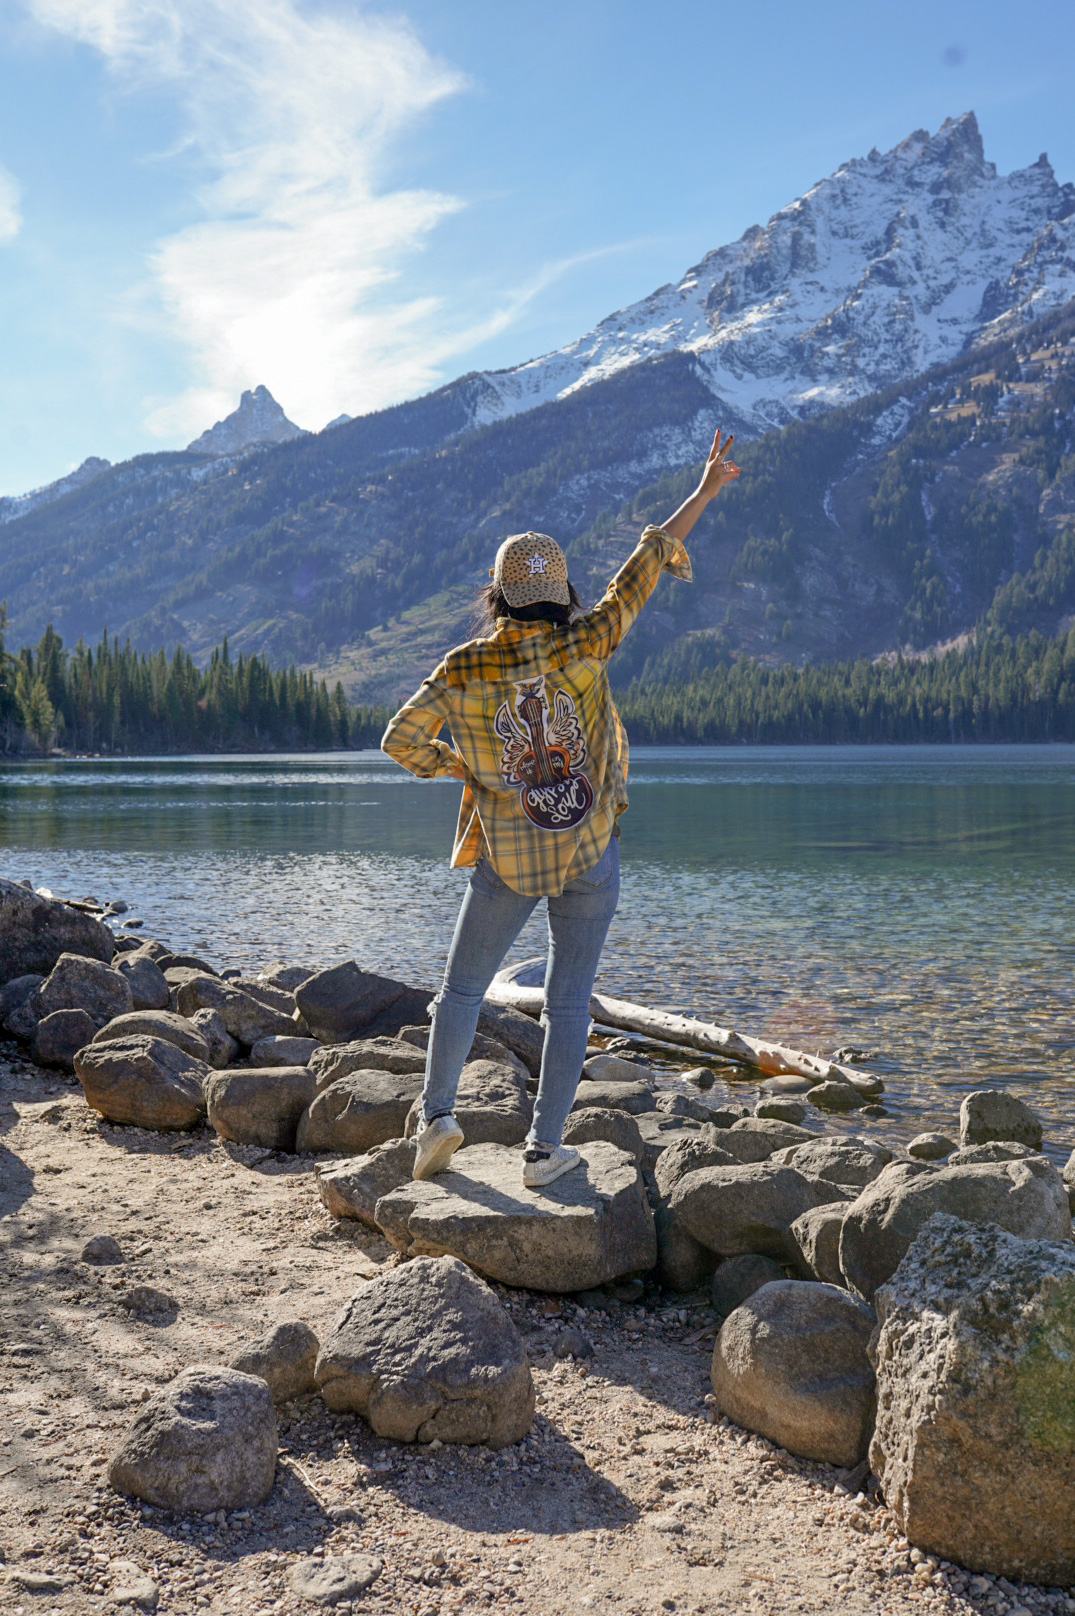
543	759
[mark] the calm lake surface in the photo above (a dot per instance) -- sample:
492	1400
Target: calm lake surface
916	902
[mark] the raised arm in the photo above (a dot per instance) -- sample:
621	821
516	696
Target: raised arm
718	471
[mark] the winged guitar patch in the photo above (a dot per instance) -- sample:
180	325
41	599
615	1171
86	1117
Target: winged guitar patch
543	755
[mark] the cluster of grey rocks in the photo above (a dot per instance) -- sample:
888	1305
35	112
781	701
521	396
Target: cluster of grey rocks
913	1317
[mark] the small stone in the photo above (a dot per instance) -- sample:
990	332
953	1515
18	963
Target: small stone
930	1147
131	1586
101	1249
147	1299
334	1578
39	1582
573	1343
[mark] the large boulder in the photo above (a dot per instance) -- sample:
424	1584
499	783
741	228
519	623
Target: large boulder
244	1017
223	1048
492	1106
144	977
143	1082
164	1024
634	1098
989	1114
14	994
426	1352
284	1358
524	1036
850	1163
617	1128
344	1003
975	1436
35	931
1025	1197
78	983
206	1441
791	1364
589	1227
259	1105
737	1278
58	1037
280	1049
333	1061
357	1112
687	1155
683	1264
351	1189
754	1139
659	1132
731	1210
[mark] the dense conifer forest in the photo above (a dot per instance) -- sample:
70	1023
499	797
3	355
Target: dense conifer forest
112	698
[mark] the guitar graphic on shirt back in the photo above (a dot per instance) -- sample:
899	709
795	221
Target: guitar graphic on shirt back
543	756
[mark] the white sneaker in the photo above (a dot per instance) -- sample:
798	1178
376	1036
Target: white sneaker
438	1142
541	1166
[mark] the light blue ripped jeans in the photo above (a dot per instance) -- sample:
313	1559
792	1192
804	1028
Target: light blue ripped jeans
491	918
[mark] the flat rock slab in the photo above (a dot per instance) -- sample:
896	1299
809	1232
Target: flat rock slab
143	1082
357	1112
659	1131
351	1189
589	1227
492	1106
335	1578
426	1352
259	1105
280	1050
975	1436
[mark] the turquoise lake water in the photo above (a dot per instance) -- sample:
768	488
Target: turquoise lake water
917	902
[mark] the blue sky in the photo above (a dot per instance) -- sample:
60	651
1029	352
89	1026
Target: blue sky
353	203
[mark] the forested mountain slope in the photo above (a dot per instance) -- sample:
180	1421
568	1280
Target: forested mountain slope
312	549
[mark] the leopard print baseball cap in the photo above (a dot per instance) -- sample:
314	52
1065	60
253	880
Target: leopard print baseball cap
531	567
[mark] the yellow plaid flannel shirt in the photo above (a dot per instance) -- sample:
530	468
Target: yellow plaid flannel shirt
538	743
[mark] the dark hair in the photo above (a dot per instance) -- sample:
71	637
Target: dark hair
491	604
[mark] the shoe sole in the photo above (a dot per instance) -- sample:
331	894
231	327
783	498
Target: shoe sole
438	1158
550	1178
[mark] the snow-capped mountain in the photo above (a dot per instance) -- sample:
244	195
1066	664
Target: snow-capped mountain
258	420
894	263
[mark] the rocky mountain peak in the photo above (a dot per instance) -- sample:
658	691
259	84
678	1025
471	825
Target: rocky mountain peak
258	420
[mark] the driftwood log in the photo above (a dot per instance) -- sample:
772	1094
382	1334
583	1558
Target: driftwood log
516	988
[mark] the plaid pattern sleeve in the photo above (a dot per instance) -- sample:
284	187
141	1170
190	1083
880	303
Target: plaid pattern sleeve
538	742
411	737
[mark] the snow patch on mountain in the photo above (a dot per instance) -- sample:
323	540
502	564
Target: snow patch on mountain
894	263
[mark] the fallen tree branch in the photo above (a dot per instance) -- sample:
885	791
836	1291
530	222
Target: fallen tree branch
705	1036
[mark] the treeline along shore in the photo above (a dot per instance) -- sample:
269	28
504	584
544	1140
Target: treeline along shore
113	698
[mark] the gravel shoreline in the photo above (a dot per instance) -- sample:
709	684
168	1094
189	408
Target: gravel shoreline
627	1496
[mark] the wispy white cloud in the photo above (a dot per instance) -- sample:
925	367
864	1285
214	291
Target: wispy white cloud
292	275
10	217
